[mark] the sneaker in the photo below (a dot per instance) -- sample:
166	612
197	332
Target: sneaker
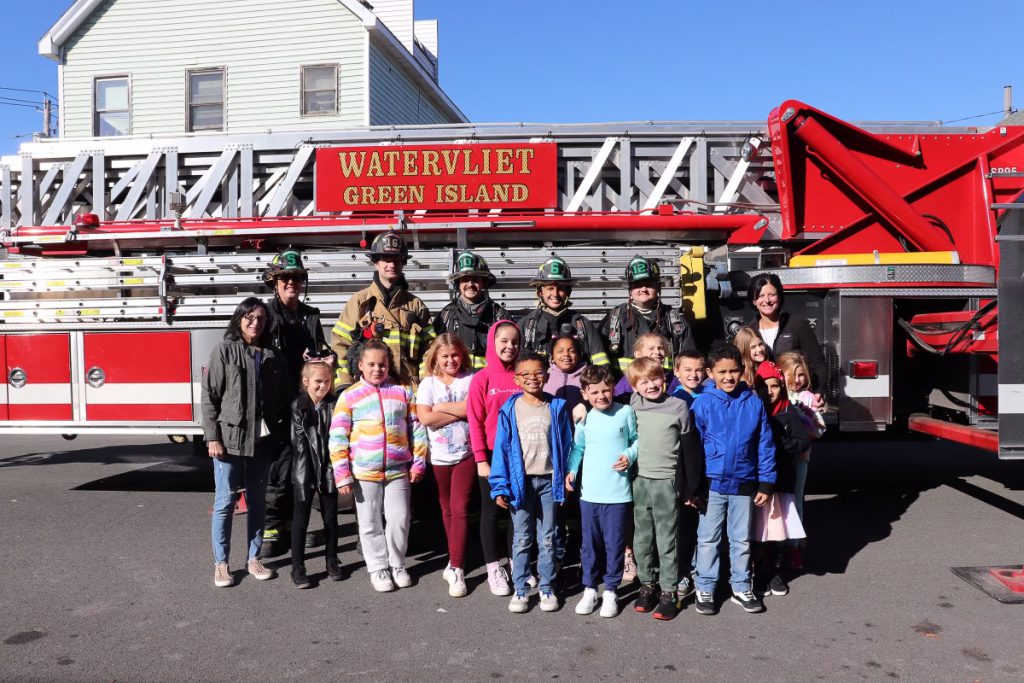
778	585
609	604
222	577
381	581
531	581
299	577
518	604
334	570
705	603
497	579
629	568
685	588
447	575
457	584
647	599
258	571
401	577
668	606
748	601
548	601
588	603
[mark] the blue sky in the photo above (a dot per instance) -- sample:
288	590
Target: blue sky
567	60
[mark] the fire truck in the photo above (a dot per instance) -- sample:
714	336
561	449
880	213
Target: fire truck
123	258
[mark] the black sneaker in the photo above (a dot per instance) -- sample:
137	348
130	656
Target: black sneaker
748	601
334	570
778	585
299	577
648	598
668	606
705	603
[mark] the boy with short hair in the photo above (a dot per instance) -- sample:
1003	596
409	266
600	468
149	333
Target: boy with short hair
531	446
605	444
690	369
668	466
740	463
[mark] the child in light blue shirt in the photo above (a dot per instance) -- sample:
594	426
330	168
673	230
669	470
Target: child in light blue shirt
606	445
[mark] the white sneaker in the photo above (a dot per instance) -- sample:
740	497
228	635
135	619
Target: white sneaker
609	604
548	601
518	604
381	581
401	577
531	581
457	583
497	579
588	603
447	574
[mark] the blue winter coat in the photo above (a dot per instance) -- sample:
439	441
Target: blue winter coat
738	446
508	477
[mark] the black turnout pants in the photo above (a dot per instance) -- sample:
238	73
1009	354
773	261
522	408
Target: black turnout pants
279	492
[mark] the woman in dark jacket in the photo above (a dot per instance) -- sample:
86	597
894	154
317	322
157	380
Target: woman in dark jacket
311	470
245	425
783	332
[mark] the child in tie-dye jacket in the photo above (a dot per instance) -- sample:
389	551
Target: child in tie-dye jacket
378	448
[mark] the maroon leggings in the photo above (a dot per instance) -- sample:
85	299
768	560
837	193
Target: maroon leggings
455	486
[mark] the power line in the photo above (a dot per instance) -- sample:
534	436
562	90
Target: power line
41	92
18	99
968	118
28	106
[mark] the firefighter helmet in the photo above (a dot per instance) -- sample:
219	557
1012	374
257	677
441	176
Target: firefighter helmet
388	243
641	269
553	271
469	264
287	262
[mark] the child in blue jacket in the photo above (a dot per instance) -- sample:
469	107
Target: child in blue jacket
531	449
740	466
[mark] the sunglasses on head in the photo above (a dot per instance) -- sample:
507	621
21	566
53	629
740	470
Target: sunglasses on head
323	356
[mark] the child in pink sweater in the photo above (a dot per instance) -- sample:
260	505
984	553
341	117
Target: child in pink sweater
488	391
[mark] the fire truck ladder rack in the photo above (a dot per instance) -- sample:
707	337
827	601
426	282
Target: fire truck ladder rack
195	288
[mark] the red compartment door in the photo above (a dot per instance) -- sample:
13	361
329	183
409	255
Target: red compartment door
138	376
38	376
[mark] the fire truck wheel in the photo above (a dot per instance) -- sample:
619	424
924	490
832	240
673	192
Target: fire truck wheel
69	437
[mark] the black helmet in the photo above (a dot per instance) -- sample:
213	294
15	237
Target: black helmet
469	264
641	269
388	243
553	271
288	262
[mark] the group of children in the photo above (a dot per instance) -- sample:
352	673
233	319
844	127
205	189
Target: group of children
641	455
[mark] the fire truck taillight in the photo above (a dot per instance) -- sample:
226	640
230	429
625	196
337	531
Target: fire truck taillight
863	369
87	220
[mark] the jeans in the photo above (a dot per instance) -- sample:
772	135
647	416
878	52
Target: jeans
231	474
736	512
533	524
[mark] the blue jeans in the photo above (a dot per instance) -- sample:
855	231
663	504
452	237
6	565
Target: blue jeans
798	493
533	523
736	512
230	474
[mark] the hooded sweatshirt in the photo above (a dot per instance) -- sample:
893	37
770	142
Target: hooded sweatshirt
566	385
490	388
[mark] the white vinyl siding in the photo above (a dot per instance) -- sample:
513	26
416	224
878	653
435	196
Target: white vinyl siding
394	96
262	45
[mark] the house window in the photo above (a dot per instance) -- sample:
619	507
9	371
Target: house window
319	90
206	100
111	107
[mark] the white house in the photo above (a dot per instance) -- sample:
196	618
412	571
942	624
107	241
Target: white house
159	67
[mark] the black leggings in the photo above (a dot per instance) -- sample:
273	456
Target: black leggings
490	520
300	522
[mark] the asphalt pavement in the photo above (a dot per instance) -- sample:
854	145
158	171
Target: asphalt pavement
107	576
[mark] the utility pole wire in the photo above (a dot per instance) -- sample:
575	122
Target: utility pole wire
41	92
967	118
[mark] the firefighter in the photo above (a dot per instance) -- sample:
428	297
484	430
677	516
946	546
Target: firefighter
472	311
384	311
553	316
294	328
643	313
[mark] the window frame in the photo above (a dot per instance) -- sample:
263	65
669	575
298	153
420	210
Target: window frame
127	78
189	73
302	90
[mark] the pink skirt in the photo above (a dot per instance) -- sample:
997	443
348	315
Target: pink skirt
777	520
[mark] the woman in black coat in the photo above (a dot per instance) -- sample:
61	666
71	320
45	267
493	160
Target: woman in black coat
783	332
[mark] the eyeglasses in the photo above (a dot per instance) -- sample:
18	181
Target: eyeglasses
255	318
531	375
